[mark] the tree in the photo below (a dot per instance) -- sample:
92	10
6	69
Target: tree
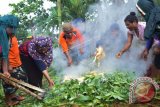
34	17
59	14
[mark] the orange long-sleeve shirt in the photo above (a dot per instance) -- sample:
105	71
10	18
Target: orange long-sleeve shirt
14	56
66	43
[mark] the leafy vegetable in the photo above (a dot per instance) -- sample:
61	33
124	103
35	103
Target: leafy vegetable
93	90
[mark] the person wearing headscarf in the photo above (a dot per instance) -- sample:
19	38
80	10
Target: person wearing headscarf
37	56
8	26
71	42
114	33
151	14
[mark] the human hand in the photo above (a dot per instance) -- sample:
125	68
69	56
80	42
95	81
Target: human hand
119	54
10	68
144	54
69	61
7	74
51	84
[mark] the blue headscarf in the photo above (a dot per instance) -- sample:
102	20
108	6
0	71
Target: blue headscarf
7	21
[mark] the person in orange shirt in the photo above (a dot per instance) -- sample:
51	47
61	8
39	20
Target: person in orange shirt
8	26
71	42
15	70
14	56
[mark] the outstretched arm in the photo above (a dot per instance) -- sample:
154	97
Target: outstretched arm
42	66
50	81
65	49
126	46
145	52
68	58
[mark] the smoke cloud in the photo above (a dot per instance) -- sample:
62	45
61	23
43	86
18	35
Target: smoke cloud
105	14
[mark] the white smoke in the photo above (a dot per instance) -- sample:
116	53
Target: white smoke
105	15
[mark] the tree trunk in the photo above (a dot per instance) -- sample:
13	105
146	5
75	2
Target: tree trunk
59	14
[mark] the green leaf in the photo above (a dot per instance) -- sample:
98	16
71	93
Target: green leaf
99	97
83	98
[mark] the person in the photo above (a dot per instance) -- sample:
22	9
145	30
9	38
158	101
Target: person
37	56
71	41
8	25
14	69
151	14
114	33
135	30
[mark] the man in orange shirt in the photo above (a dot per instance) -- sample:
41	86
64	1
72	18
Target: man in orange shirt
15	71
71	41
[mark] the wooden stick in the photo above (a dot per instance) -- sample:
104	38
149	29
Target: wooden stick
20	87
23	83
23	89
7	80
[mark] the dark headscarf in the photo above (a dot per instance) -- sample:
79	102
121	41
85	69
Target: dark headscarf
7	21
151	15
145	7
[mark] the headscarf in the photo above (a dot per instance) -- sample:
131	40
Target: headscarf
145	7
67	27
7	21
151	15
114	27
43	43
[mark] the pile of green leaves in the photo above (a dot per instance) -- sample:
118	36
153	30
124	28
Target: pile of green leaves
108	90
94	90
